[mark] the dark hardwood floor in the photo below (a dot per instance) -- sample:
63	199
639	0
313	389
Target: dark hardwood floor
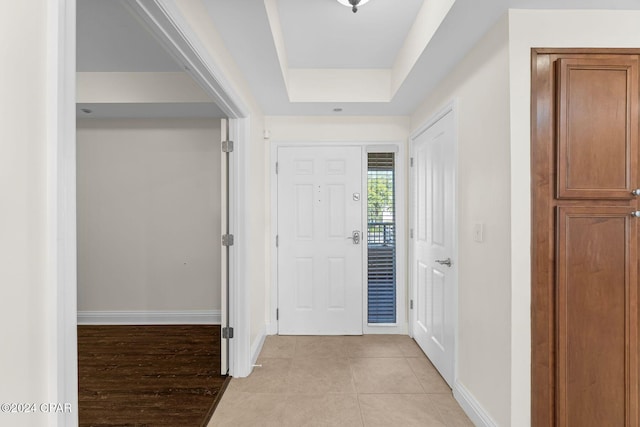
148	375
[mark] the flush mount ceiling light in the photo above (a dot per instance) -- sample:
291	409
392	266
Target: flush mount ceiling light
353	4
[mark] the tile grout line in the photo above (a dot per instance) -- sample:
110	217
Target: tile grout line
413	371
355	387
440	417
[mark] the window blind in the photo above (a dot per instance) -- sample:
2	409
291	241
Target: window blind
381	238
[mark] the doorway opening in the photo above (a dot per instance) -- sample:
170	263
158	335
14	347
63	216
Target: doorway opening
153	197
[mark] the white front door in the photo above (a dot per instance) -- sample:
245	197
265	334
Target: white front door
319	263
434	265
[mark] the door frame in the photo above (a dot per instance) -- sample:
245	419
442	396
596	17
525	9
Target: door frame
170	28
165	21
401	327
450	107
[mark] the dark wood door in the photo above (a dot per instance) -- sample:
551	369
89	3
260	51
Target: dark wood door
594	294
597	127
585	238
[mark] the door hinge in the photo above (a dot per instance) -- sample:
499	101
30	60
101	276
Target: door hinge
227	146
227	240
411	305
277	240
411	161
411	233
227	332
277	314
276	168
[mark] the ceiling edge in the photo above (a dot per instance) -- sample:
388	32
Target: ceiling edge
357	85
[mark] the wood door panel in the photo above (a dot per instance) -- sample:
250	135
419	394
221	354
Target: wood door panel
594	315
584	148
597	127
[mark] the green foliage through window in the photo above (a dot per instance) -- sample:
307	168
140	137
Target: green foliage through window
380	194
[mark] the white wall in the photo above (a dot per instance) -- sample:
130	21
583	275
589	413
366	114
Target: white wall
114	87
337	128
148	198
28	303
480	85
528	29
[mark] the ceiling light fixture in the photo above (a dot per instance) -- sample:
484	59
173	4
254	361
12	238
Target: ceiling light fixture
353	4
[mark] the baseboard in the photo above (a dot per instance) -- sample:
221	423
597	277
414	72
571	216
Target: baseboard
398	329
472	407
256	346
272	328
187	317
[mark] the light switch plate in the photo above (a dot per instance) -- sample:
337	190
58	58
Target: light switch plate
478	232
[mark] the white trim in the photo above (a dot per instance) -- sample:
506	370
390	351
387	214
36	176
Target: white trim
61	206
274	324
166	23
386	148
256	348
399	148
474	410
240	309
272	328
169	317
451	106
225	259
400	328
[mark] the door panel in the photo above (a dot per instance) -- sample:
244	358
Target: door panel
303	203
598	116
434	282
337	285
596	307
336	211
319	267
304	283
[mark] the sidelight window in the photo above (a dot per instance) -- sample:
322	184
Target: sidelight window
381	238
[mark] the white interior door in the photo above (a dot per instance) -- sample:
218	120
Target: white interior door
225	188
319	262
434	275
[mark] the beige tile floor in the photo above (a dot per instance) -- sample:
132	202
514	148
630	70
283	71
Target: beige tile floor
371	380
